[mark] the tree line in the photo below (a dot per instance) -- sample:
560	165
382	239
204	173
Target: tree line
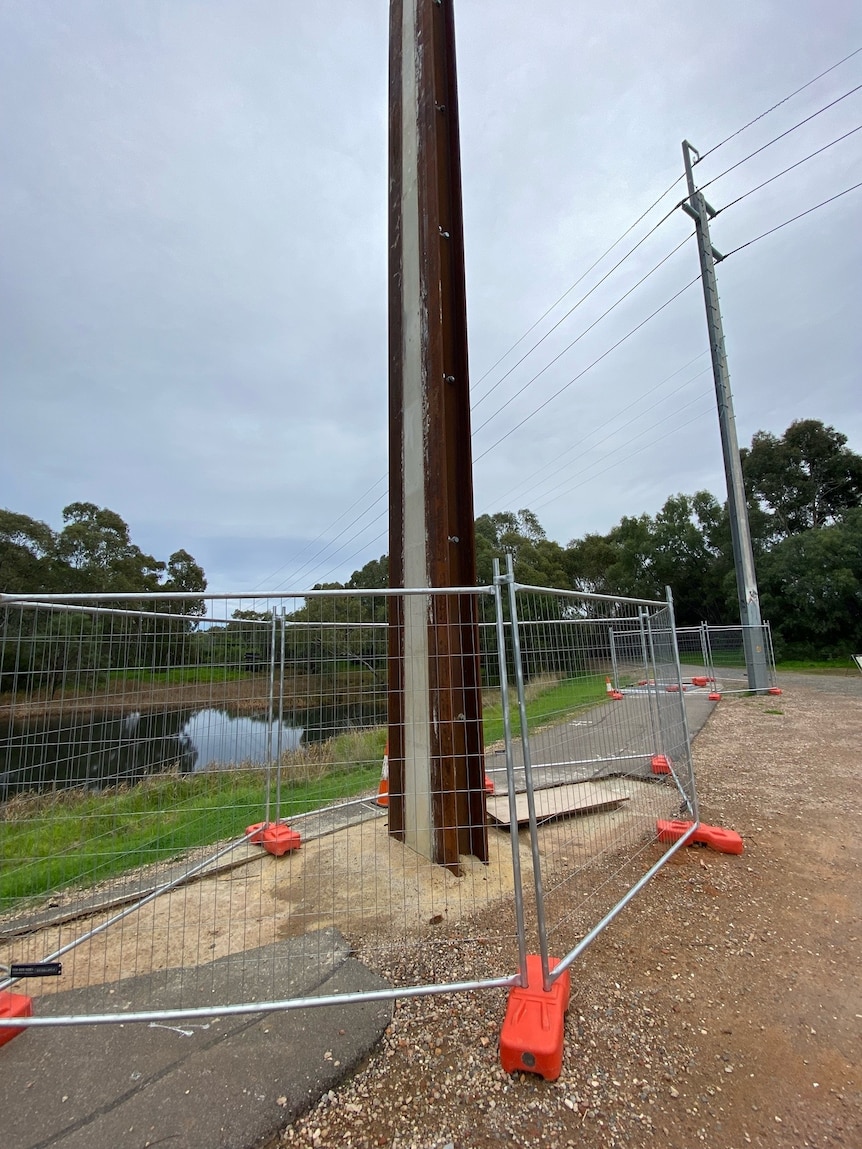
804	493
92	553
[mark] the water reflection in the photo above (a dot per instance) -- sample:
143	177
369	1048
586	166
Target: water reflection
95	749
110	749
216	737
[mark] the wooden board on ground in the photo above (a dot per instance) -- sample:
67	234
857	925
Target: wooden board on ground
559	802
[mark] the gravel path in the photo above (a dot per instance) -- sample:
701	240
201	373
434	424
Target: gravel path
722	1008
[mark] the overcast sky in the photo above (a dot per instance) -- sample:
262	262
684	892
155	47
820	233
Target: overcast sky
193	285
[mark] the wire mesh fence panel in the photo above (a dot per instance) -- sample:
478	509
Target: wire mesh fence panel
190	797
694	658
726	651
603	760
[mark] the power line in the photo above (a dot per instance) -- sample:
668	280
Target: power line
586	331
778	175
309	566
781	136
589	478
579	280
744	127
350	558
794	218
382	534
334	523
309	563
589	367
574	308
528	491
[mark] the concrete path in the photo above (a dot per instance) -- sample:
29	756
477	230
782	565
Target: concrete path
230	1082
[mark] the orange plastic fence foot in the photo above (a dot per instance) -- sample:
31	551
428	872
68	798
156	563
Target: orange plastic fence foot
660	764
255	833
13	1005
617	695
714	696
774	690
725	841
489	785
278	839
699	681
531	1039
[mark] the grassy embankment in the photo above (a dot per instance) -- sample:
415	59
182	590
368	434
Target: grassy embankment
735	660
69	837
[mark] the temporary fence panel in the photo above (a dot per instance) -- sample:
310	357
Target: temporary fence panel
725	647
596	769
693	649
190	818
194	819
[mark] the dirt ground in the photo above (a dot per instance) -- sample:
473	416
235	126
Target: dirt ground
723	1007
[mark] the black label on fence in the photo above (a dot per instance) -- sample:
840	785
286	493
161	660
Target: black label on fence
36	969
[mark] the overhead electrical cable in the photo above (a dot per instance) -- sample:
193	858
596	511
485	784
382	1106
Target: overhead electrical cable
589	367
533	492
334	523
781	136
778	175
355	554
580	279
585	332
567	490
793	219
796	92
551	462
311	563
596	263
574	308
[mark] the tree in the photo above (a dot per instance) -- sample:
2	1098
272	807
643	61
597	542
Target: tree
803	480
93	553
185	575
373	576
26	553
99	555
811	588
538	561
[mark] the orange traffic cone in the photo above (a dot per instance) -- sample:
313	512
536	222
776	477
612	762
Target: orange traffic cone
383	788
609	688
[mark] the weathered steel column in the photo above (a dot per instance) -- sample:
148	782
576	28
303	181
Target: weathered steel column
436	759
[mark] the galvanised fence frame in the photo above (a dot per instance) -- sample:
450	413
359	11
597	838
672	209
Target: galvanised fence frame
190	793
719	653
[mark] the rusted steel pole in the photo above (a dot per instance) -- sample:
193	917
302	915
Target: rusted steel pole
436	755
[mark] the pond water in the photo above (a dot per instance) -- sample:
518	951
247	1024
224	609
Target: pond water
108	749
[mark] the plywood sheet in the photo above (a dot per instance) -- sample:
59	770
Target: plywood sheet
559	802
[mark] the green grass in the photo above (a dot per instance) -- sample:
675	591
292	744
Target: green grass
76	837
73	837
548	700
842	666
181	675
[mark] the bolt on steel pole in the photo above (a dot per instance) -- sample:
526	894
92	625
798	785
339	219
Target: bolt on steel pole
743	554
